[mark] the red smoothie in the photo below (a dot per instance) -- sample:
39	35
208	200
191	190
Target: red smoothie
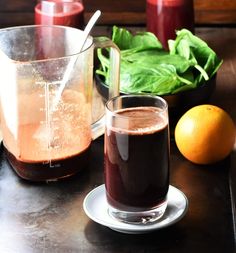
164	17
60	13
137	160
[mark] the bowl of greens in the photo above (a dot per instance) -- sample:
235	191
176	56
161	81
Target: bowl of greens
185	75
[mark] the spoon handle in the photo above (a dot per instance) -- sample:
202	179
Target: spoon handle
89	27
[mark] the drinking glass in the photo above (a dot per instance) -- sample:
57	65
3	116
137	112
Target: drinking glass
136	157
60	12
164	17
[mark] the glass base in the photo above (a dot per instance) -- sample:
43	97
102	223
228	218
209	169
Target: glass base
140	217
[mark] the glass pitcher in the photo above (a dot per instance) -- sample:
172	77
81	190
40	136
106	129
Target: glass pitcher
46	99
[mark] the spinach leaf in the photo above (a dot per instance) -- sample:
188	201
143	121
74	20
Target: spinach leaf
160	79
142	40
155	57
191	47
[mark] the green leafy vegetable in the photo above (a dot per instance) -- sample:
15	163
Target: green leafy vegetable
142	40
146	67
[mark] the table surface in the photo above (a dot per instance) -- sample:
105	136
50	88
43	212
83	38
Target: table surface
50	217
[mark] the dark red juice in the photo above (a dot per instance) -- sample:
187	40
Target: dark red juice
137	161
49	170
164	17
63	13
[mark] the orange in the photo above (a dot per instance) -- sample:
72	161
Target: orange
205	134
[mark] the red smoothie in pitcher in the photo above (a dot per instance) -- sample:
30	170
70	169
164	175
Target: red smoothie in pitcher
164	17
51	143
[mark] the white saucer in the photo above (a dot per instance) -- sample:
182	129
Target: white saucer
96	207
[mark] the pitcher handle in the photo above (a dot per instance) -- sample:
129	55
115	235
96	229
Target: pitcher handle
114	79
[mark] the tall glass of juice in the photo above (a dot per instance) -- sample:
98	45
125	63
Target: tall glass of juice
164	17
60	12
136	158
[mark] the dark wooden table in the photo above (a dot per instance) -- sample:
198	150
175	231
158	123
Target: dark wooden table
50	217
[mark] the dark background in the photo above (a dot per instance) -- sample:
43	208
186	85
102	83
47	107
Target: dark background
207	12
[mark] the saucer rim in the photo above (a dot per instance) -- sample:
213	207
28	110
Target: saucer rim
133	228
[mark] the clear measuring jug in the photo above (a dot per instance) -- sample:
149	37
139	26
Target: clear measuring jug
46	99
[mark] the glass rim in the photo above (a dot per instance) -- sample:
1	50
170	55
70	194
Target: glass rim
6	29
117	114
